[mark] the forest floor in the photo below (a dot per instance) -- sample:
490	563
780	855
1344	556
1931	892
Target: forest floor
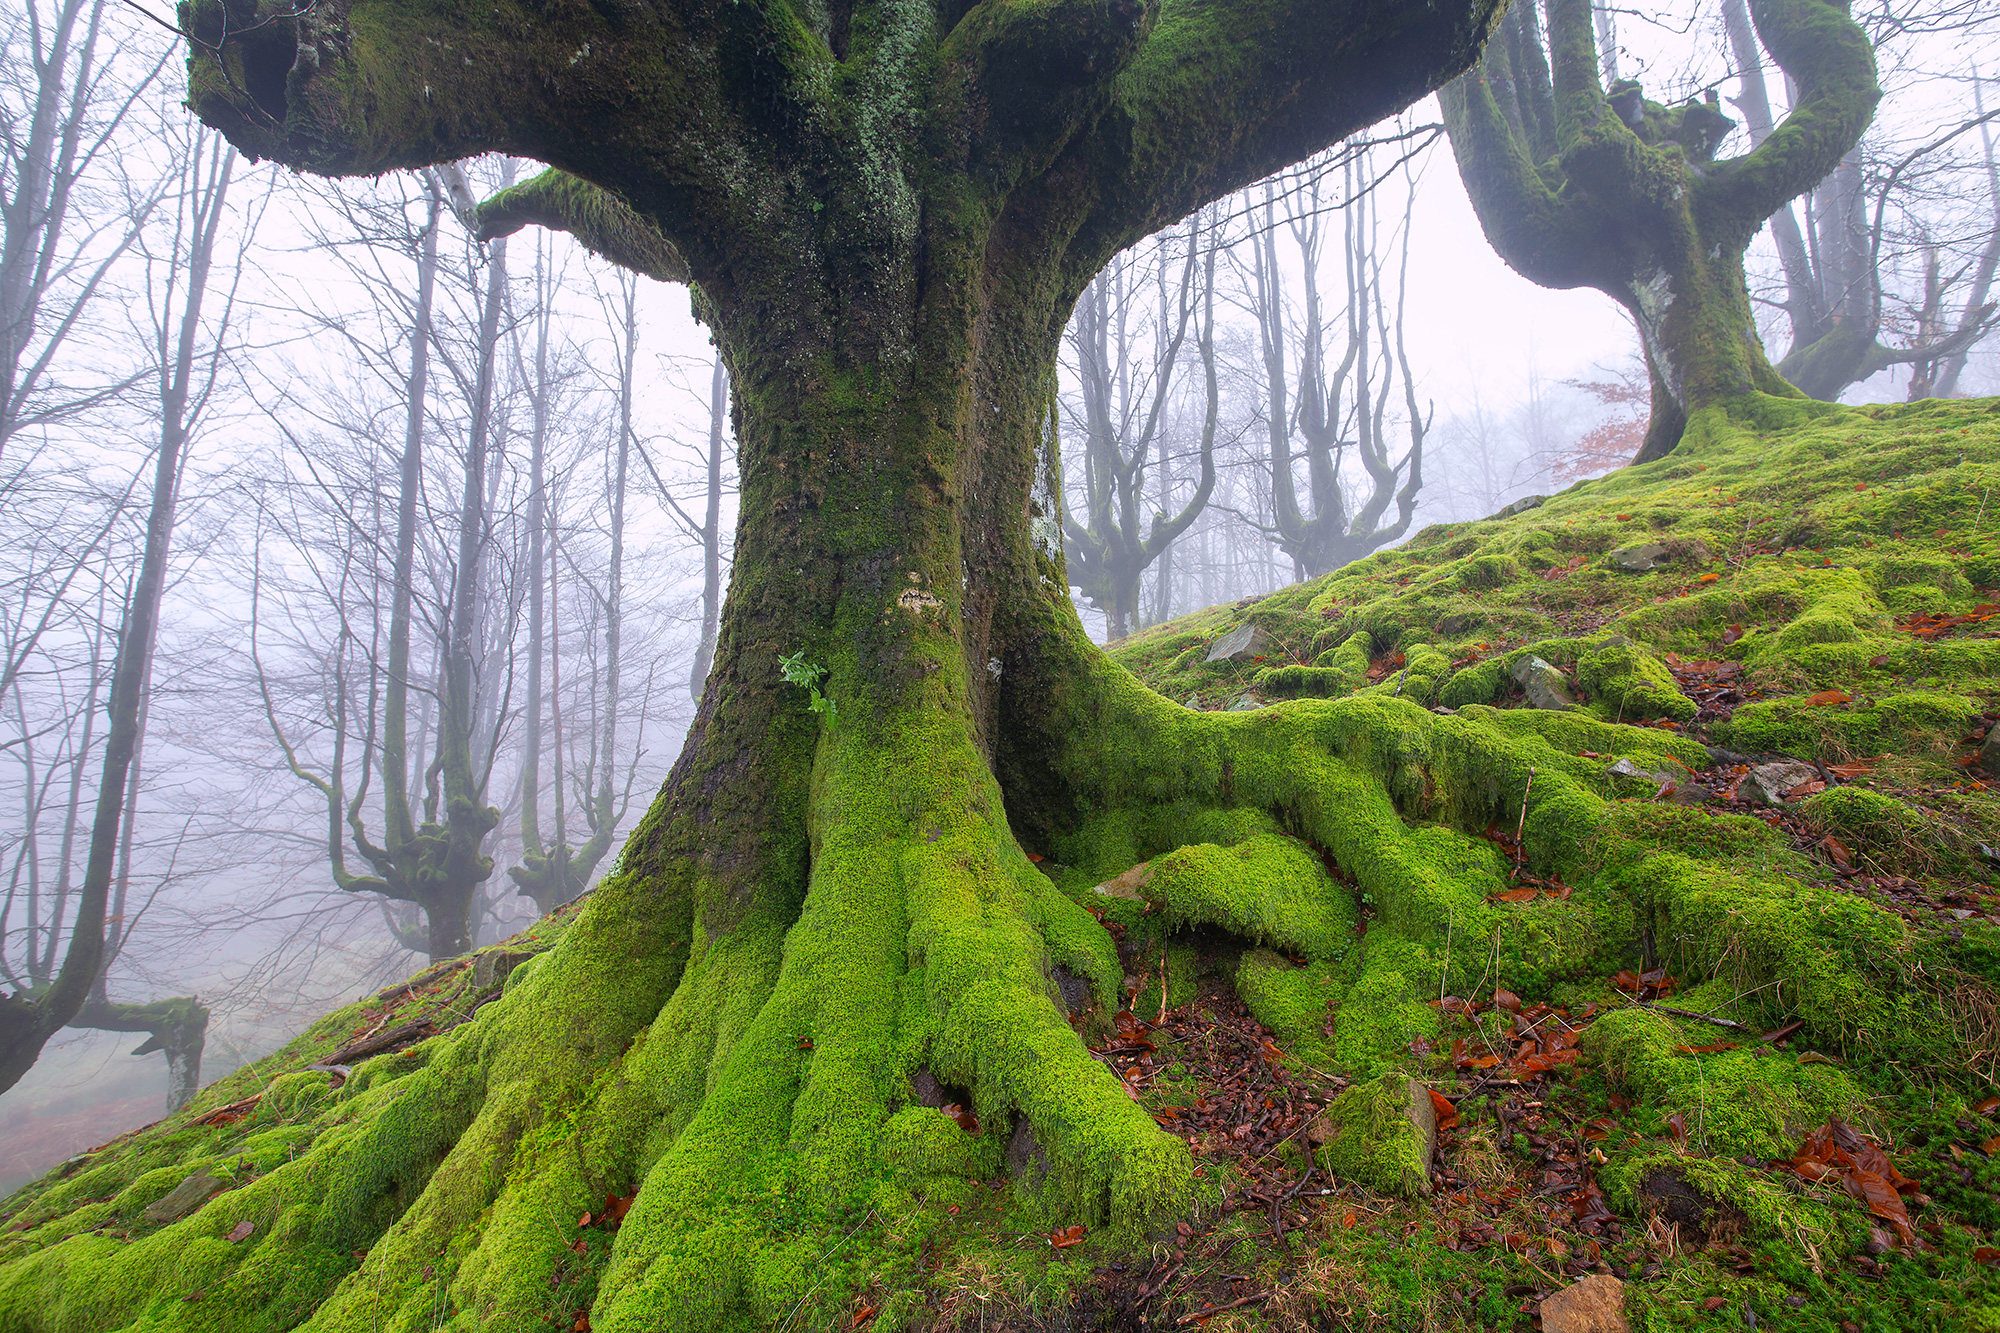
1814	611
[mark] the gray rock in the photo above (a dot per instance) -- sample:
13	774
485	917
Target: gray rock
1245	643
1989	753
1546	685
186	1197
1639	559
1625	768
1523	505
1770	782
492	966
1677	787
1127	885
1596	1304
1245	703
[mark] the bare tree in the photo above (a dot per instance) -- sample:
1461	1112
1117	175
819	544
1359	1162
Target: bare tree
429	851
186	353
707	533
1331	408
1120	430
552	874
53	148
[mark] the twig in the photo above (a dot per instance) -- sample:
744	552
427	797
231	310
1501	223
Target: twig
1521	824
1227	1305
1689	1013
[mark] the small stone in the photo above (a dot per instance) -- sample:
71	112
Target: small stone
1595	1304
1546	685
1675	787
1772	781
1127	885
1641	558
1245	703
186	1197
1523	505
1989	752
1245	643
490	967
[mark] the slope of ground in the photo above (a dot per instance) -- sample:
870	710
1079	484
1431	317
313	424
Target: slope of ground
1703	1024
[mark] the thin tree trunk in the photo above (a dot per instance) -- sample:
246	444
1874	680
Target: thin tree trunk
27	1022
711	530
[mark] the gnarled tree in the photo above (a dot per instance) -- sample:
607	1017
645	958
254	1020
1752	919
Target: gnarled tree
1577	187
888	209
1833	282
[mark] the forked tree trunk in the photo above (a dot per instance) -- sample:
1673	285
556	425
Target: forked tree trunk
1577	185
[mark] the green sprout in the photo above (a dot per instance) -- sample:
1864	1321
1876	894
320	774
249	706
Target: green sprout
798	671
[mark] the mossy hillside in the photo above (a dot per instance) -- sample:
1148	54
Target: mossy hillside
1817	537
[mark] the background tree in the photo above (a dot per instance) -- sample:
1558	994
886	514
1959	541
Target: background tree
1832	265
1332	405
53	263
554	873
1575	188
187	350
1120	430
429	852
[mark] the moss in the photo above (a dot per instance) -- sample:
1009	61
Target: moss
1476	684
1913	721
1294	681
1889	835
1628	683
1380	1017
1736	1198
1268	888
1293	1001
1374	1138
1750	1100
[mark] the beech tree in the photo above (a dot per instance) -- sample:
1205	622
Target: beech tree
888	209
1305	418
1833	290
1577	185
1113	545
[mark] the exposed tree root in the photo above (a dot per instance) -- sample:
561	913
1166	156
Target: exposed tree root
749	1077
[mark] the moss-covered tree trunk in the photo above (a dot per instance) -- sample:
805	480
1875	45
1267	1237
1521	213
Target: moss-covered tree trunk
888	211
1579	188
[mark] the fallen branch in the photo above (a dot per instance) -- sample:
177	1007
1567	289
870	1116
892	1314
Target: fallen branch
1689	1013
1226	1305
